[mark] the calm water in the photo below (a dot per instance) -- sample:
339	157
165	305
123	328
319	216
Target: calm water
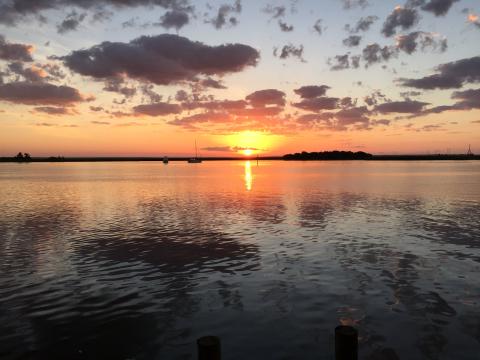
137	260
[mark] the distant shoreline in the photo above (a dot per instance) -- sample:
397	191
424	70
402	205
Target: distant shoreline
264	158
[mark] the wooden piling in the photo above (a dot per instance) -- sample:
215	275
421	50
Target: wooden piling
209	348
346	343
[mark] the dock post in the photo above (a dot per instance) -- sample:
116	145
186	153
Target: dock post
209	348
346	343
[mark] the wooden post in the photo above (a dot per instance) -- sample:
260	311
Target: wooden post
346	343
209	348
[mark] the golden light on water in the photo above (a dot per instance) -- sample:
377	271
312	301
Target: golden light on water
248	175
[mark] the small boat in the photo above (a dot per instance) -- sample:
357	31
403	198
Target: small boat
165	160
196	159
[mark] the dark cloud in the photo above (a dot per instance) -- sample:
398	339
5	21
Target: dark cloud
116	84
401	17
311	91
342	62
374	53
352	40
71	22
174	19
15	52
212	83
275	11
449	75
466	100
148	91
375	98
363	24
317	27
157	109
40	93
266	97
224	16
11	11
31	73
53	110
284	26
406	106
162	59
317	104
96	108
349	4
290	50
469	99
437	7
410	42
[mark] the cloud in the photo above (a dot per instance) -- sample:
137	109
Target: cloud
275	11
162	59
401	17
437	7
284	26
96	108
469	99
311	91
342	62
374	53
40	93
100	122
224	16
266	97
363	24
290	50
406	106
410	42
349	4
317	104
13	11
31	73
352	40
174	19
449	75
212	83
53	110
473	19
71	22
15	52
157	109
116	85
317	27
231	149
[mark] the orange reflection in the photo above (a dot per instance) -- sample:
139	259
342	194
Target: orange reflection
248	175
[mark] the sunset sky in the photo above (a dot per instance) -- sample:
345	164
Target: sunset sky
149	77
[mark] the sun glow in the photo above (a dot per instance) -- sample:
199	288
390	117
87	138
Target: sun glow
249	143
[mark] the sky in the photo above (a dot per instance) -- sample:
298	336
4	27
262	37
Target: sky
152	77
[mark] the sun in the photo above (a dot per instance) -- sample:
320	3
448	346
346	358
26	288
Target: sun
248	143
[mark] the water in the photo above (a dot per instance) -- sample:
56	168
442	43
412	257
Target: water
137	260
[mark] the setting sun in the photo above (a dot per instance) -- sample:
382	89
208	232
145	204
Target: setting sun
247	152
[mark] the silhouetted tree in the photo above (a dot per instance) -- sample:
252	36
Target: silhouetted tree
27	157
19	157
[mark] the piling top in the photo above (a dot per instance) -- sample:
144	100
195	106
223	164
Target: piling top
346	330
208	341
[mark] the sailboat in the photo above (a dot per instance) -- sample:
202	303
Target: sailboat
196	159
165	160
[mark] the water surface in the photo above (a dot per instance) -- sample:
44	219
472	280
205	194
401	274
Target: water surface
137	260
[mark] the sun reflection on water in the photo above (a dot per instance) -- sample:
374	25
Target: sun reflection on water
248	175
